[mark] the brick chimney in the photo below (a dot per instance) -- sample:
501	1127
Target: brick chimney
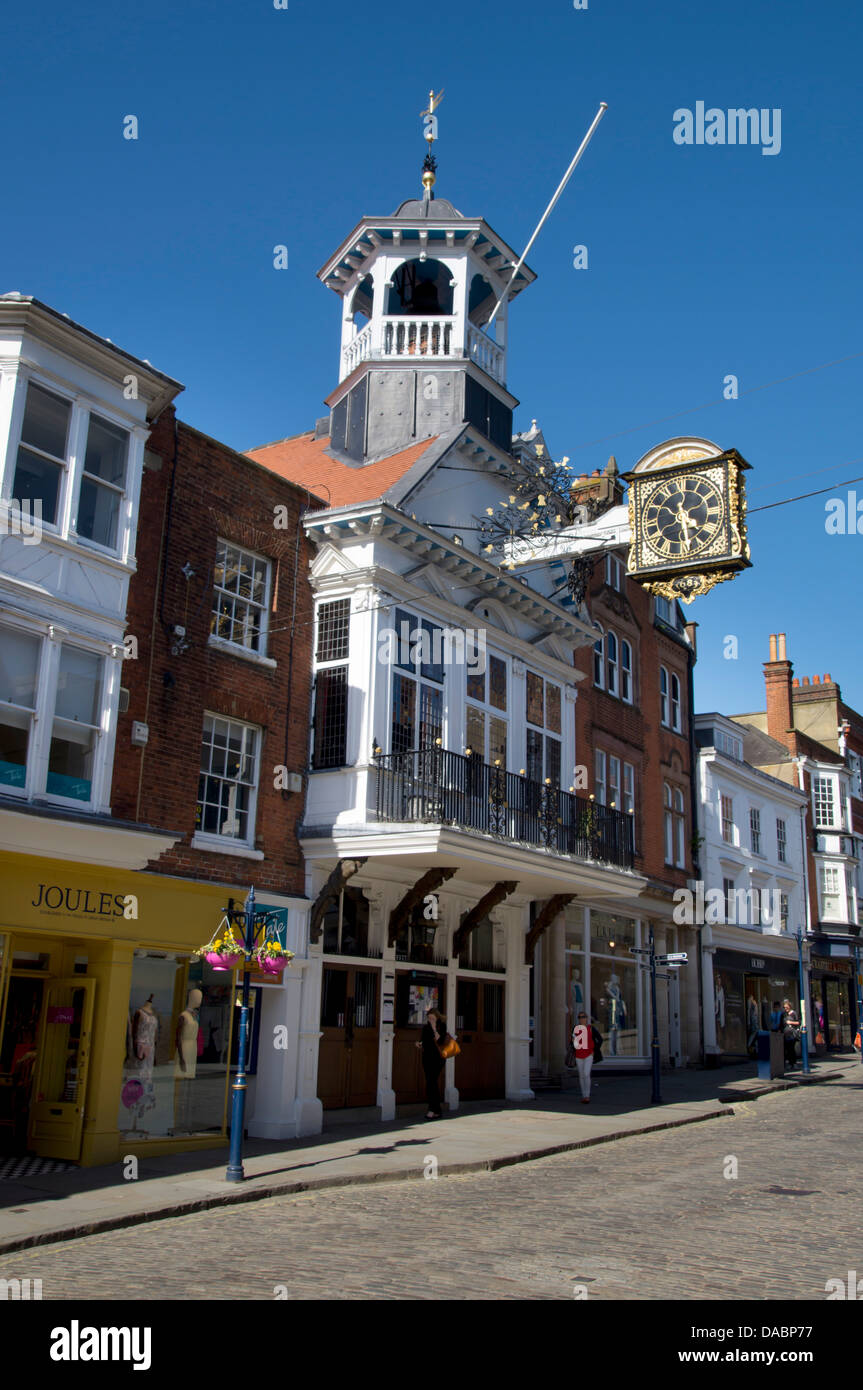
777	682
599	491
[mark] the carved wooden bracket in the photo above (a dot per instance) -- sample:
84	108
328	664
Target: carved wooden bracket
429	883
345	869
543	919
481	909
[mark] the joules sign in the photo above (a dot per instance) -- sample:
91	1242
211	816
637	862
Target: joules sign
83	902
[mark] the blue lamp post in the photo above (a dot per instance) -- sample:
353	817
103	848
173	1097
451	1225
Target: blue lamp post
253	925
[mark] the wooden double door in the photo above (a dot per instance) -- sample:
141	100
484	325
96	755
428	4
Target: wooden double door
480	1068
348	1057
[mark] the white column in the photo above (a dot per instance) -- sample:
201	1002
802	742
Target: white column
517	742
308	1110
517	1008
708	950
380	902
274	1115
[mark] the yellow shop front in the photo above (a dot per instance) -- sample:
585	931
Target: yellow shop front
114	1039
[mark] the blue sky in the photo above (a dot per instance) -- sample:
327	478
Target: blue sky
261	126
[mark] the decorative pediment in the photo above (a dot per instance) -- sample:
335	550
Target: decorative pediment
555	646
430	578
329	562
497	613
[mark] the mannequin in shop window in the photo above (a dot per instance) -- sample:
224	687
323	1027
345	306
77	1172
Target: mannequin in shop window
616	1013
186	1060
145	1031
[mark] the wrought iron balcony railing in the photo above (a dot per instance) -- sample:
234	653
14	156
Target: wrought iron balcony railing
444	788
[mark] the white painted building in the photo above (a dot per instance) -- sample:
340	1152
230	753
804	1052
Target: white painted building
754	894
75	413
444	832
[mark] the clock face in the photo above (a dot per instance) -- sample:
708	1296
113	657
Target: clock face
681	517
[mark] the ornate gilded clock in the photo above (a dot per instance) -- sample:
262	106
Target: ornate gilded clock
687	510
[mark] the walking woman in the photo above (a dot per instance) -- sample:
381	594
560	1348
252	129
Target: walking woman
433	1035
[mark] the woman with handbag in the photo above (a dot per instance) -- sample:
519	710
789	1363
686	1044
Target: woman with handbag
587	1047
433	1038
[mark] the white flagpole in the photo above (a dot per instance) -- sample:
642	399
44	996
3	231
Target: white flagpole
603	107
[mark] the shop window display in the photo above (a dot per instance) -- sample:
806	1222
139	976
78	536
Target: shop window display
734	1024
614	1005
177	1041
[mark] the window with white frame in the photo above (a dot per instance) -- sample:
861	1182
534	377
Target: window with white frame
781	842
44	459
755	901
600	777
228	784
613	781
330	719
614	572
626	687
668	803
663	609
19	679
730	901
675	702
679	829
726	809
663	697
831	890
755	829
856	775
66	701
103	483
599	662
613	666
417	690
76	724
611	663
629	789
241	596
726	743
824	800
784	910
543	713
487	720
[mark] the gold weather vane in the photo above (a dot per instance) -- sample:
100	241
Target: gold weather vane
430	134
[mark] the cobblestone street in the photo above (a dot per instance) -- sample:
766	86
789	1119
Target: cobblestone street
652	1216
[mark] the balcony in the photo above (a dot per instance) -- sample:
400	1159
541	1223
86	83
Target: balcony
404	337
438	787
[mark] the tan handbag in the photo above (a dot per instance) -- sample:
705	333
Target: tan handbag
450	1048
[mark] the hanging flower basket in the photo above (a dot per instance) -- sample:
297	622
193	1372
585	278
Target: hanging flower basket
224	950
271	957
223	960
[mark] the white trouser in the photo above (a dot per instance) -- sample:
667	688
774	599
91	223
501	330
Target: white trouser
583	1066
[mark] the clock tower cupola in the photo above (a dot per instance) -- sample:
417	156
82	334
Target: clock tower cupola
422	349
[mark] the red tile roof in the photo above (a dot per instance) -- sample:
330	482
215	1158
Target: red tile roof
303	459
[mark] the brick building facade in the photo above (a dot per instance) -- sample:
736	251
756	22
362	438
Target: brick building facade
198	495
633	732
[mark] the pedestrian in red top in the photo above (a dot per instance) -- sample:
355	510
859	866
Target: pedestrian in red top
586	1044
